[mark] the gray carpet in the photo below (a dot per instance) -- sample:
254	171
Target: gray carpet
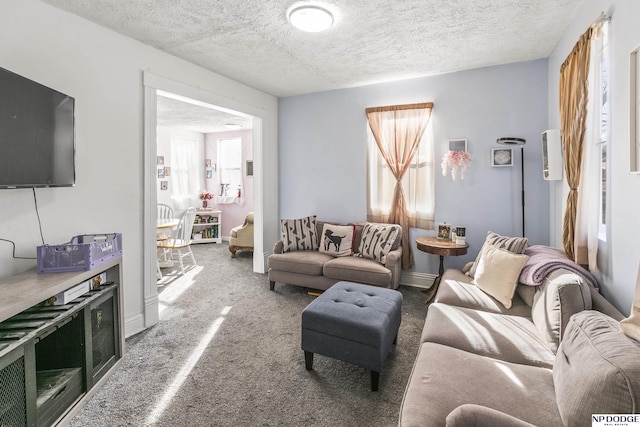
251	373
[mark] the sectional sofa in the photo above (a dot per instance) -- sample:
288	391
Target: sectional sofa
551	356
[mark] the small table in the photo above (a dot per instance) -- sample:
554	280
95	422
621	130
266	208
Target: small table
442	248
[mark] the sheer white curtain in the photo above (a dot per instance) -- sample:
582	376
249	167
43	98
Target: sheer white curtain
597	133
230	170
185	172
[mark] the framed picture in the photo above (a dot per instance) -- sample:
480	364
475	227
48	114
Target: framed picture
457	145
249	167
167	171
444	231
164	185
160	160
501	157
161	173
207	163
209	174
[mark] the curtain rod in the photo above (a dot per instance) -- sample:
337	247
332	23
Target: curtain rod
602	18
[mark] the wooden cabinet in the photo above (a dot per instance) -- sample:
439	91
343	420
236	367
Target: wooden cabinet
54	357
206	228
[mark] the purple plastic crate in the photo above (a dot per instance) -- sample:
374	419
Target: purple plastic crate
82	253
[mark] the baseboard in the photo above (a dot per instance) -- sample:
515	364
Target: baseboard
417	280
151	313
133	325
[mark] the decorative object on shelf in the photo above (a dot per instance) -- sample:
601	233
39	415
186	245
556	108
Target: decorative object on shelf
514	141
205	196
461	235
501	157
444	231
457	161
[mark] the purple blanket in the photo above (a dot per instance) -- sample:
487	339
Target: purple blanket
544	259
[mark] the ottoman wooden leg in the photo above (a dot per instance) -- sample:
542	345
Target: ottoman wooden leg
308	360
375	378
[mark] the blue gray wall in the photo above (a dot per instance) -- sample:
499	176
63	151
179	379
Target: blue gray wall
322	151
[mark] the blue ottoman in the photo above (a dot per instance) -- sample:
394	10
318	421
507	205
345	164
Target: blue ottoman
354	323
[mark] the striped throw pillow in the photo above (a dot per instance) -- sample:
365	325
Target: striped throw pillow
299	234
516	245
377	240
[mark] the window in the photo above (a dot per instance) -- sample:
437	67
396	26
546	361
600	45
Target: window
185	179
603	110
229	165
417	182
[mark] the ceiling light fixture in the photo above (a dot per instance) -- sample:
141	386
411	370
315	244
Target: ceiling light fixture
233	126
310	18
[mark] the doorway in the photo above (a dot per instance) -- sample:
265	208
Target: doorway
196	97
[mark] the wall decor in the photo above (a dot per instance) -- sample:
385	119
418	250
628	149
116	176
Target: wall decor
249	168
634	110
457	145
209	174
164	185
161	173
501	157
167	171
207	163
160	160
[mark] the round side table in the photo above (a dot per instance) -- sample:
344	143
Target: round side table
442	248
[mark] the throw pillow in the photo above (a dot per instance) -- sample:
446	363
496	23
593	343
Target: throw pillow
377	240
299	234
498	272
516	245
337	240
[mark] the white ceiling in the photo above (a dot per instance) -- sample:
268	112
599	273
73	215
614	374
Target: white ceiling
371	41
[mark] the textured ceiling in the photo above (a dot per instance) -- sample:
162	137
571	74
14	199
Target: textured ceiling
372	41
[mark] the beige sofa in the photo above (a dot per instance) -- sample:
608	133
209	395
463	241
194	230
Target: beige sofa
553	358
316	270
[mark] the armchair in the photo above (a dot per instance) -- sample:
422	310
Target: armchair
241	238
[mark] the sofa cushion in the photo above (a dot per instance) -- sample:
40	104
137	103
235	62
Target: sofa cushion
303	262
510	338
516	245
561	295
377	240
457	289
444	378
476	415
497	273
359	270
299	234
337	240
597	370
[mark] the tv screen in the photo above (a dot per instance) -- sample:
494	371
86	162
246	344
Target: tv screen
37	137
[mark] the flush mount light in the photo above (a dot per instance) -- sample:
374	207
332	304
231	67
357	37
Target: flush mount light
233	126
310	18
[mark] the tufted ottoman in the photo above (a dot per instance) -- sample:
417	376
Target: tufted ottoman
354	323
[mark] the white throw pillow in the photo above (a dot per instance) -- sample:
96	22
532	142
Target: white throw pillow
337	240
498	272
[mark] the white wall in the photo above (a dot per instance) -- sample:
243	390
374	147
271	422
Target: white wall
103	71
323	148
619	255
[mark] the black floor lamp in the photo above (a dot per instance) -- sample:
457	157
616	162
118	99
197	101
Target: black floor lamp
520	142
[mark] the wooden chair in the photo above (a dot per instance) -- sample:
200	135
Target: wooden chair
179	244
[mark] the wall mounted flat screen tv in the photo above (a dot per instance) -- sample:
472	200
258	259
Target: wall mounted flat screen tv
37	136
